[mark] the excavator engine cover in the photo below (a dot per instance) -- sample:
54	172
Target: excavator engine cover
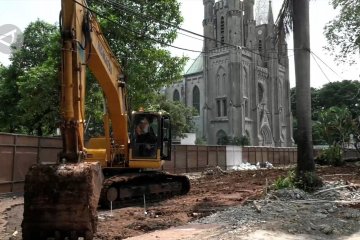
61	201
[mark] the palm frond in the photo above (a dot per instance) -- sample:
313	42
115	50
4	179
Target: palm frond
284	21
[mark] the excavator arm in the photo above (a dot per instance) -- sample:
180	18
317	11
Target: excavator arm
85	45
61	200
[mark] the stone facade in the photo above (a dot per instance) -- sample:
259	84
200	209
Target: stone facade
241	81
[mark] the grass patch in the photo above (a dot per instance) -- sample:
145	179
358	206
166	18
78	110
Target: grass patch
287	181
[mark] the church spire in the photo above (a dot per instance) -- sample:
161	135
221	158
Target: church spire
270	14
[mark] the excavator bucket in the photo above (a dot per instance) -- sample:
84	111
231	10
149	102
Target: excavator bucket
61	201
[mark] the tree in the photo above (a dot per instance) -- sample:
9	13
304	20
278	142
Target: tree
314	100
343	33
137	33
29	86
341	94
9	97
335	125
181	116
295	15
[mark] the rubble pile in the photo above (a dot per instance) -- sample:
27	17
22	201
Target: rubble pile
319	215
249	166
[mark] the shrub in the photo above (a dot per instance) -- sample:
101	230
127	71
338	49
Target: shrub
241	141
237	141
330	156
200	141
287	181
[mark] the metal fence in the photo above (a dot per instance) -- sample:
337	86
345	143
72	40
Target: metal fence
277	156
193	158
18	153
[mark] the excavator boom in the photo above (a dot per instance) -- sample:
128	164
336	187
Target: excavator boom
61	200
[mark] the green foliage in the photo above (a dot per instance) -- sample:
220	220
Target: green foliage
200	141
314	100
330	156
241	141
335	125
29	87
148	67
236	141
94	107
287	181
181	116
308	181
341	94
224	140
344	94
343	33
9	97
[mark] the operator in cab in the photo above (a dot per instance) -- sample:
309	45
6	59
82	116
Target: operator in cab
145	138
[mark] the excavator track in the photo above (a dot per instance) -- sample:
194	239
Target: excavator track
60	201
127	188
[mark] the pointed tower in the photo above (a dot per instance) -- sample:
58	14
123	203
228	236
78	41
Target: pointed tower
276	79
235	27
208	24
270	15
261	10
271	47
249	24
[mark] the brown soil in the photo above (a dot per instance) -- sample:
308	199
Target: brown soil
208	194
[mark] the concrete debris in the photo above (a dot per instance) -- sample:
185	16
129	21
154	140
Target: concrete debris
266	165
214	171
244	166
289	194
257	207
326	229
248	166
105	216
288	212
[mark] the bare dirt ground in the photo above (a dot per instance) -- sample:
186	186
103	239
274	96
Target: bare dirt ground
221	205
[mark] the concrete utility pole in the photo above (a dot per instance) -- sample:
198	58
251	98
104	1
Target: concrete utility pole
301	28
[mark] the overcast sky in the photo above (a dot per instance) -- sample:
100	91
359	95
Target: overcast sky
22	12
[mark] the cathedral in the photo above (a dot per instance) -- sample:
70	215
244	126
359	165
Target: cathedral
239	84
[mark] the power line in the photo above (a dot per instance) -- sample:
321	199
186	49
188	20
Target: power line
159	41
121	7
326	65
132	31
320	67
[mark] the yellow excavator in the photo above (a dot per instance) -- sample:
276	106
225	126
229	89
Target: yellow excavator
61	200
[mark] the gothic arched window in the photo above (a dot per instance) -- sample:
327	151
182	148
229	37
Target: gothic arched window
196	99
260	46
246	82
176	95
260	92
220	81
246	108
222	30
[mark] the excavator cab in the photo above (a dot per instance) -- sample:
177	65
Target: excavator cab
150	139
